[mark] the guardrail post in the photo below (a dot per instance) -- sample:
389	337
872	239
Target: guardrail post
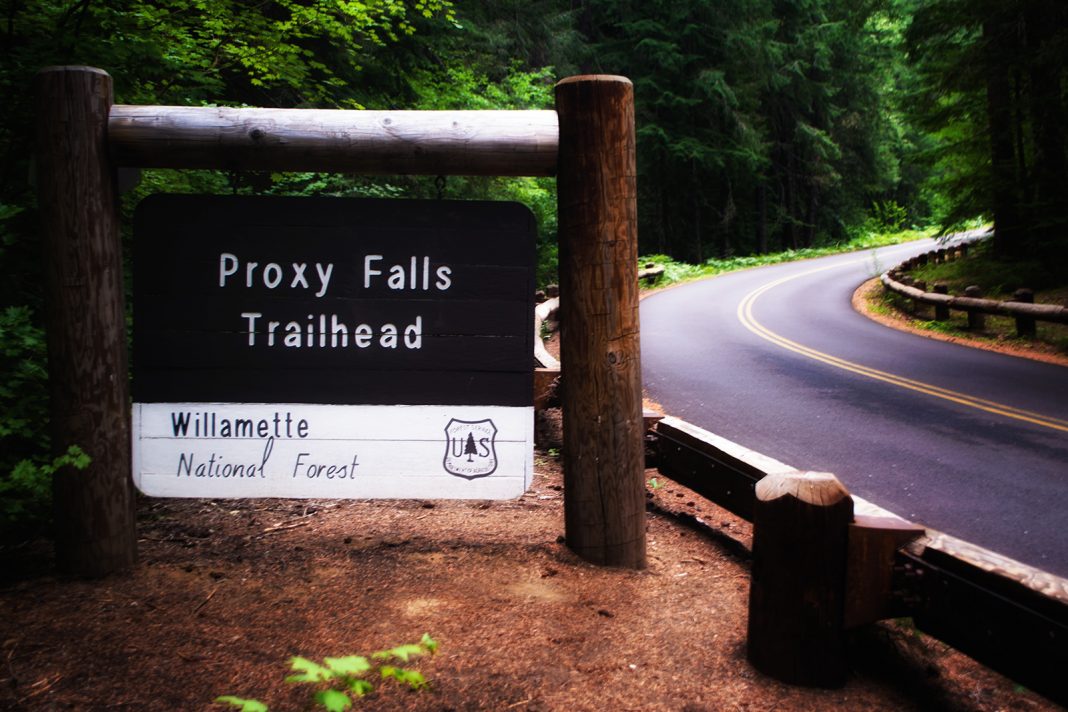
603	448
1025	325
976	319
86	321
941	311
798	587
917	305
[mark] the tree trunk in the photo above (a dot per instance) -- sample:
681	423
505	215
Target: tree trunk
1050	219
762	218
729	211
810	217
789	199
1008	233
1019	125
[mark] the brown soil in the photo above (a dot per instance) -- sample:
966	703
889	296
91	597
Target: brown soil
227	591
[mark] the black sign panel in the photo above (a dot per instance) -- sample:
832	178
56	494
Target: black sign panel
331	300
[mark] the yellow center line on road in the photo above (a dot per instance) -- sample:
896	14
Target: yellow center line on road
745	315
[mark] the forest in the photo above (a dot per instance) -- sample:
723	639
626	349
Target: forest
763	125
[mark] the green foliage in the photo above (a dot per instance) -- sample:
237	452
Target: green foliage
887	216
987	85
675	271
185	51
468	83
997	277
336	681
242	704
464	87
26	493
763	124
22	357
25	469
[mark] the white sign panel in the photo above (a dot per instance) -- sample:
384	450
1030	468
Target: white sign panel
332	451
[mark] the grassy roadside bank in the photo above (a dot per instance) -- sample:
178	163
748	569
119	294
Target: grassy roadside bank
679	272
997	280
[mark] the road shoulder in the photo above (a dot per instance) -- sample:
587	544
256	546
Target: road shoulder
869	294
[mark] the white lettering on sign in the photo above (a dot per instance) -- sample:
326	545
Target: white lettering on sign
415	275
272	273
297	450
327	331
320	332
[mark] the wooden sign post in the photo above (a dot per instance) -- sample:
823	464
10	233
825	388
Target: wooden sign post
604	455
588	143
85	321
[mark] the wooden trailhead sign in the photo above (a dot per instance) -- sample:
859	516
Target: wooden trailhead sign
278	400
326	347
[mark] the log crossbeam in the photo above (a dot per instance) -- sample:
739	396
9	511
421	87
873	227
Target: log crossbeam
499	143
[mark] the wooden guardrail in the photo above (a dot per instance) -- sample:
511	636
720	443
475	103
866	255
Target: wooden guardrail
650	273
1005	614
547	368
1020	308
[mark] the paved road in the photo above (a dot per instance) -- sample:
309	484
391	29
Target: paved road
969	442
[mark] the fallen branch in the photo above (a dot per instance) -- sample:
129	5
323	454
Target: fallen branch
205	601
283	527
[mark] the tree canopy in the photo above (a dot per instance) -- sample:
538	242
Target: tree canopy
991	85
761	124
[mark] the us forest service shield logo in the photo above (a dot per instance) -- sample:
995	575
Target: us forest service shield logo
469	448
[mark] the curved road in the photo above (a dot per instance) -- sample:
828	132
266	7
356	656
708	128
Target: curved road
969	442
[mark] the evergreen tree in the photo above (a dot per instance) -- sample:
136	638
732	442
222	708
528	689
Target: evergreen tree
758	122
991	83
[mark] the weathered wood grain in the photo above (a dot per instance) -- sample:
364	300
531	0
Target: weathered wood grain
506	143
86	323
873	544
1006	615
796	627
603	447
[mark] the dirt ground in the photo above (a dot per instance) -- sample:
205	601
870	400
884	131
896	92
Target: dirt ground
227	591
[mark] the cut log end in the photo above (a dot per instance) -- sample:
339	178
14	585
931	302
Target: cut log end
816	488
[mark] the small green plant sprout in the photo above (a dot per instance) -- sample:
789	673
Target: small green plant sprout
338	680
243	704
655	483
